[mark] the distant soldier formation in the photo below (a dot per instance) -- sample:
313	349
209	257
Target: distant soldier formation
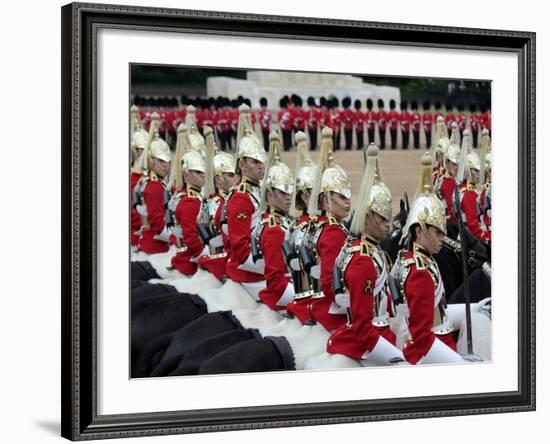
402	127
241	263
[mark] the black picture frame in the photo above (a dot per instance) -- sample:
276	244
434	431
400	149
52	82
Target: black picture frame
80	22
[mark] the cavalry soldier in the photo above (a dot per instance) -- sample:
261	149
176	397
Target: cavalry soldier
416	281
447	184
439	150
468	177
405	124
151	195
272	230
305	177
331	197
393	120
370	119
138	143
362	270
485	179
243	213
265	121
186	204
220	178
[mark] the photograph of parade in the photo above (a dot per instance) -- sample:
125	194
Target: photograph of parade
286	221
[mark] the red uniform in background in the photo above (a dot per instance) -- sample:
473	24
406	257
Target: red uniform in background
154	202
189	243
279	289
264	117
427	122
425	297
242	212
449	119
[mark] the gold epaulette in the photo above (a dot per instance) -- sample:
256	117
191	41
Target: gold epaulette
419	261
353	249
244	188
332	220
191	192
272	221
365	248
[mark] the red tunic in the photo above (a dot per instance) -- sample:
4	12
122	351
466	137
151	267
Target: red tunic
215	263
427	121
135	218
486	120
187	213
265	119
361	336
299	119
275	271
469	205
335	120
371	117
153	198
314	116
329	244
223	120
447	192
393	119
348	118
382	119
449	119
240	210
416	121
285	120
360	118
419	288
405	120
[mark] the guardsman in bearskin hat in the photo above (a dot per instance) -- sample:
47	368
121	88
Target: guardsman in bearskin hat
416	124
485	179
335	122
284	117
359	124
446	189
371	118
348	121
468	176
186	204
361	276
151	195
243	211
381	121
393	121
272	230
265	121
405	124
138	141
220	178
427	122
450	117
438	152
416	282
330	202
313	115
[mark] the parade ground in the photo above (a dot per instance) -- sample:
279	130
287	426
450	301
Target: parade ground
400	169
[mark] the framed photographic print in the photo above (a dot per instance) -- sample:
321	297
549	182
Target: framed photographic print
157	340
